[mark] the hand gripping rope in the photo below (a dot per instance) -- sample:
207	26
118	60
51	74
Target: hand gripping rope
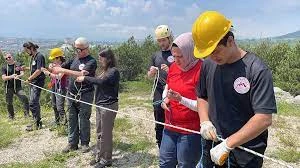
155	83
157	122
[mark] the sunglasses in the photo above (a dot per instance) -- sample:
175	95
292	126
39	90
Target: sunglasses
7	58
79	50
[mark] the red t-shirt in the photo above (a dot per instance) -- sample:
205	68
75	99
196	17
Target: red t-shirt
185	84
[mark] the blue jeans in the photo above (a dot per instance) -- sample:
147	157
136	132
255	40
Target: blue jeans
181	149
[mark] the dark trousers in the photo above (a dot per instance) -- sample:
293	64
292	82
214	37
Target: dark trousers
58	104
9	101
237	158
34	102
79	119
159	115
104	129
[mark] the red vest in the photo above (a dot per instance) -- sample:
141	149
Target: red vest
185	84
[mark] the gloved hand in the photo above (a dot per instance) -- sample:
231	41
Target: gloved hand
220	153
208	131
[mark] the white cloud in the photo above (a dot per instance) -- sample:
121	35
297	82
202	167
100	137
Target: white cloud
98	4
114	11
114	27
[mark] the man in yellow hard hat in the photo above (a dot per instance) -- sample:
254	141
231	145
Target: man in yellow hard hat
235	95
160	62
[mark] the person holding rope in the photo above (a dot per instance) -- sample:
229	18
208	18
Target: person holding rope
79	113
37	78
235	96
10	71
160	62
58	84
179	101
107	89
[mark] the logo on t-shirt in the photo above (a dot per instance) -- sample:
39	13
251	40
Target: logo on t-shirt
241	85
170	59
81	66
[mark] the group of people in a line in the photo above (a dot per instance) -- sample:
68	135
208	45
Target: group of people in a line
206	84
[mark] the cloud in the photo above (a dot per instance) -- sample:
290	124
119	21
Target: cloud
123	18
114	11
119	28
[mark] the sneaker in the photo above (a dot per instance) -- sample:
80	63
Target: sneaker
29	128
85	148
70	148
103	163
95	160
39	125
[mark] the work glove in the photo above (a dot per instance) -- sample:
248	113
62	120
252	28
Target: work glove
208	131
220	153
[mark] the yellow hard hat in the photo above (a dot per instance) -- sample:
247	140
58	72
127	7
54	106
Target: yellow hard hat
56	52
162	31
208	30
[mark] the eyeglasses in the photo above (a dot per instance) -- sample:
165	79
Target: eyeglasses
79	50
7	58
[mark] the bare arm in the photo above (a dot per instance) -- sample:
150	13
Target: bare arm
57	70
202	106
35	74
74	73
21	74
254	127
6	78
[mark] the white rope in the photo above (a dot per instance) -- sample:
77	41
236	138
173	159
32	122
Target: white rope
161	123
154	86
260	155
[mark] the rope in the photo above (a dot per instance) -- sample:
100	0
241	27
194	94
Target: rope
260	155
157	122
154	86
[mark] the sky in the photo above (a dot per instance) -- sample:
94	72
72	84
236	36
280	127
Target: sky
120	19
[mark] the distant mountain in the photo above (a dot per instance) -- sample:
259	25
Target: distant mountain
293	35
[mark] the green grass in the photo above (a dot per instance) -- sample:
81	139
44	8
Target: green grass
287	154
136	94
54	161
137	87
137	143
7	133
287	109
123	129
122	125
288	139
8	130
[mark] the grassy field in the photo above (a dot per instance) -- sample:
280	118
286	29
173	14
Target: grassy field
134	140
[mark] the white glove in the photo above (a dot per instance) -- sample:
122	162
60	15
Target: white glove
220	153
208	131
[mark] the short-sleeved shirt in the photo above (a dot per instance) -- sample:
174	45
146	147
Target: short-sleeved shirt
8	70
38	62
159	58
87	63
184	83
235	93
